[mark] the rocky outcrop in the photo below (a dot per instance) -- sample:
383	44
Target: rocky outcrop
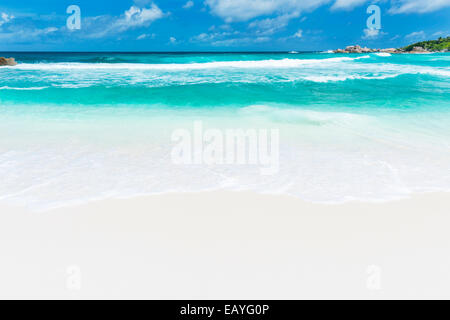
355	49
419	50
359	49
389	50
7	61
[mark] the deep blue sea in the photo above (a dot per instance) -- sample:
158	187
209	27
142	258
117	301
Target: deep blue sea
77	127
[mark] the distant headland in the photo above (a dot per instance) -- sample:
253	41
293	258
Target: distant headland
439	45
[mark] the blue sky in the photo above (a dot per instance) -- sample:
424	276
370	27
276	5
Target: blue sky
217	25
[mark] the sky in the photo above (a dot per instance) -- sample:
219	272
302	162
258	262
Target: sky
217	25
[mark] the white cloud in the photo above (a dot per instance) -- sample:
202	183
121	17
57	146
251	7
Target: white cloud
188	4
173	40
258	31
418	6
239	41
243	10
371	33
5	18
140	15
50	30
24	30
440	33
135	17
418	35
214	36
347	4
145	36
230	38
270	26
203	37
298	34
26	34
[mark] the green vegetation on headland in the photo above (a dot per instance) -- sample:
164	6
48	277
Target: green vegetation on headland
441	44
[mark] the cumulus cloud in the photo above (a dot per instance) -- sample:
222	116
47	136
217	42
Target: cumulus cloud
145	36
371	33
243	10
270	26
5	18
418	6
418	35
133	18
26	34
230	38
241	42
26	29
298	34
441	33
138	17
188	4
347	4
23	30
213	36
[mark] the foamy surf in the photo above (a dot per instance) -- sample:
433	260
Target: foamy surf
255	64
24	89
382	54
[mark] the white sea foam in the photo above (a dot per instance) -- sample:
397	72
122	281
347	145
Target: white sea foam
335	69
382	54
325	78
253	64
22	89
73	85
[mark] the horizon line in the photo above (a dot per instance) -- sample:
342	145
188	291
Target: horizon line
255	51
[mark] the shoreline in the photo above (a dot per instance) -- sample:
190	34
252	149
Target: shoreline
217	245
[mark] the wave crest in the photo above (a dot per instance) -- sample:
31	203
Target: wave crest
252	64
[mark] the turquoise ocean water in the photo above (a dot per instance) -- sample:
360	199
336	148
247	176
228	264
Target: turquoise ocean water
76	127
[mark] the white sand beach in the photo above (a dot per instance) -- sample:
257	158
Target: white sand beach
228	246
